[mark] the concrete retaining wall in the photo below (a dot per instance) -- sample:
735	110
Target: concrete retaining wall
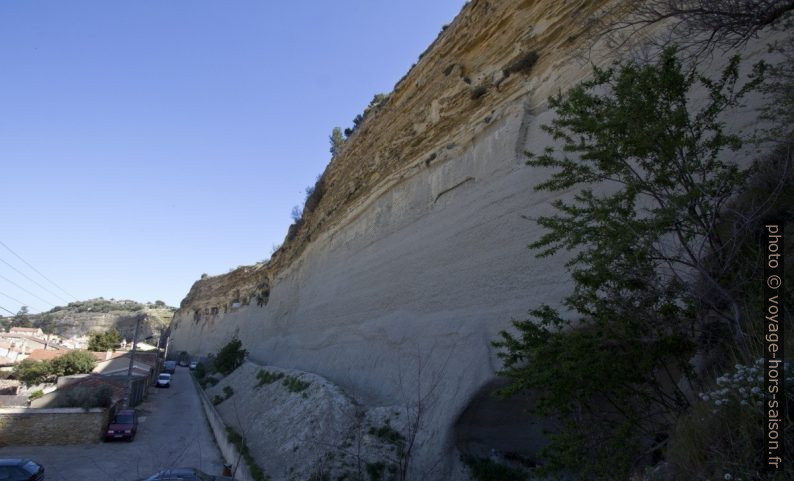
26	426
230	453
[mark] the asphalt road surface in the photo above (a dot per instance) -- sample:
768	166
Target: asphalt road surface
172	432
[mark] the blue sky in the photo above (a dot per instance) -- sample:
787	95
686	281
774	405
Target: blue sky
143	143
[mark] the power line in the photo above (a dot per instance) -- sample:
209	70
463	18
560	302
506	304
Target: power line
3	308
37	271
33	281
22	288
18	301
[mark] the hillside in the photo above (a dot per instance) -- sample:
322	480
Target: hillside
81	317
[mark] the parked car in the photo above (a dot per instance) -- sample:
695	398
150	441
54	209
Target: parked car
124	425
183	362
163	380
193	365
169	367
185	474
21	470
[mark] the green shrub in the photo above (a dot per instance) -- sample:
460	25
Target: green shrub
237	440
230	357
217	399
73	362
375	470
228	391
267	377
104	341
200	372
388	434
719	437
293	384
483	469
36	394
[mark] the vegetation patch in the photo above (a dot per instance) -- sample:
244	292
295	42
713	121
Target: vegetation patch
388	434
227	393
483	469
293	384
239	442
37	372
267	377
230	357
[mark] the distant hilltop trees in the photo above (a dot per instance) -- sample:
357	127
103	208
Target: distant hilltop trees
107	305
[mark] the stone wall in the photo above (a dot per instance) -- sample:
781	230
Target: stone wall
25	426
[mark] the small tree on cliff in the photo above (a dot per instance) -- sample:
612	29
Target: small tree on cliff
337	140
230	357
641	245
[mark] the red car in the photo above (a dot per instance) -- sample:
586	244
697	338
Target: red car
123	426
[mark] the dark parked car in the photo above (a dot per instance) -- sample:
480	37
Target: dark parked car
169	367
185	474
21	470
123	426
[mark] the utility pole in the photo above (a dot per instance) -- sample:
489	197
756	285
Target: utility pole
128	391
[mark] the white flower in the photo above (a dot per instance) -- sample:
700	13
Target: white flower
727	477
757	390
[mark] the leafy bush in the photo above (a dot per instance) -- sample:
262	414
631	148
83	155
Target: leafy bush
104	341
267	377
718	437
73	362
378	100
200	371
388	434
228	391
230	357
237	440
293	384
632	131
36	394
37	372
33	372
483	469
376	470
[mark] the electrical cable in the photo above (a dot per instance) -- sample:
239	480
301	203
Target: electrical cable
22	288
33	281
37	271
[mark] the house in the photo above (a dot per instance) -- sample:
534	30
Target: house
28	331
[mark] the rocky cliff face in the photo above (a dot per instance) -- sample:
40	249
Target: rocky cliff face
79	318
414	256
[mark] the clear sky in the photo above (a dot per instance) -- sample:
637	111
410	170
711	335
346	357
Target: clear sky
143	143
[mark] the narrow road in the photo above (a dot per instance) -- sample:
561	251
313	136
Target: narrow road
172	433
